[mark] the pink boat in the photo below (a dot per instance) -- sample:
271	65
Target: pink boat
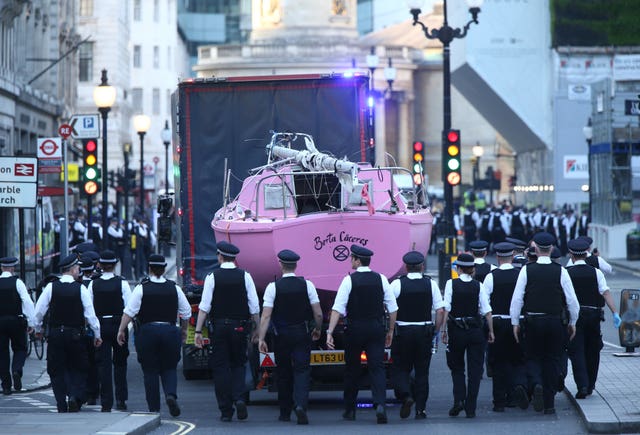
318	205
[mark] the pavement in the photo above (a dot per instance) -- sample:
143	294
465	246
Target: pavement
610	409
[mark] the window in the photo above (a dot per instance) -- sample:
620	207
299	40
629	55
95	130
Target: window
156	57
137	12
86	8
85	54
137	56
156	11
169	102
169	57
156	101
136	100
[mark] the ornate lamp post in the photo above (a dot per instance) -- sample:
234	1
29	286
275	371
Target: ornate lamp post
445	35
587	130
104	95
166	140
141	123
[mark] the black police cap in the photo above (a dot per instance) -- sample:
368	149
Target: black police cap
157	260
68	261
8	261
287	256
555	253
465	260
413	258
588	239
361	251
519	244
578	246
108	257
544	240
478	245
83	247
86	263
504	249
227	249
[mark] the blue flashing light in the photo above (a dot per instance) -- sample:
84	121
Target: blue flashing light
348	74
370	102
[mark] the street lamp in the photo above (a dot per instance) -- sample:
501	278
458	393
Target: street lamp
141	123
478	152
445	35
389	75
104	95
166	140
587	130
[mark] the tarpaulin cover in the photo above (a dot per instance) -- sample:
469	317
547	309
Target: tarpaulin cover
233	119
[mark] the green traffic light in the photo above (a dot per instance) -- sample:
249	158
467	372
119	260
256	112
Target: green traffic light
453	164
91	174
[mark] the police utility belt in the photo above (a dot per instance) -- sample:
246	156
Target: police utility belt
465	322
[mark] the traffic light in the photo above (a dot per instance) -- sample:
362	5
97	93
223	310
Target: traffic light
418	166
90	170
451	161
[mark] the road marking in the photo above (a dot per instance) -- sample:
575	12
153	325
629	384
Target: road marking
612	345
184	427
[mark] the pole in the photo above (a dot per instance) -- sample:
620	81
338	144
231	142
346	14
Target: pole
166	168
104	111
21	242
126	255
64	229
141	134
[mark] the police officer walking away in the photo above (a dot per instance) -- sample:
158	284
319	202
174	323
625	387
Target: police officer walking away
230	300
157	303
288	304
110	296
87	271
479	250
506	357
465	301
69	304
362	297
416	296
16	317
544	290
592	292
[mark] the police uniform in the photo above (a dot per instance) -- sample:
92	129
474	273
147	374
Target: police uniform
87	269
465	301
593	260
505	356
416	296
584	350
229	298
291	299
479	251
110	295
157	303
362	297
69	304
16	312
544	291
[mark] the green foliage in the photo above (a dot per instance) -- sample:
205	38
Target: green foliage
595	22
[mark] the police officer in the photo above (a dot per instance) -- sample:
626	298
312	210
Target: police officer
230	301
592	292
288	304
69	304
157	302
479	251
362	297
87	269
16	318
416	296
593	259
506	357
544	290
110	296
465	301
519	257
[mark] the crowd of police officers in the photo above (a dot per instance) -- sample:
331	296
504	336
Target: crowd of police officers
533	313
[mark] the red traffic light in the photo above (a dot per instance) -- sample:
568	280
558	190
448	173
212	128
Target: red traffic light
418	147
453	136
91	146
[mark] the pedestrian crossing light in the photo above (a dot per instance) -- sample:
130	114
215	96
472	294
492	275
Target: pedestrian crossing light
451	160
418	157
90	170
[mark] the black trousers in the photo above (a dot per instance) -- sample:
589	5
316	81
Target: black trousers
411	350
158	346
584	349
13	333
292	352
472	343
507	362
67	364
367	336
93	380
545	341
112	363
229	359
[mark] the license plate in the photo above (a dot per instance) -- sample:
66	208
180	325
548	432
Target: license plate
327	358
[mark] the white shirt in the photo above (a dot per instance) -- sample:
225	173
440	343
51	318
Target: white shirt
603	265
481	260
483	298
488	280
602	281
42	306
27	304
124	288
210	284
115	232
134	302
270	292
342	296
517	301
436	296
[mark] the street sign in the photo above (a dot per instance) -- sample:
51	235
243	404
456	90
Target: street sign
148	169
632	107
73	169
65	131
156	160
50	148
85	126
18	182
53	191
